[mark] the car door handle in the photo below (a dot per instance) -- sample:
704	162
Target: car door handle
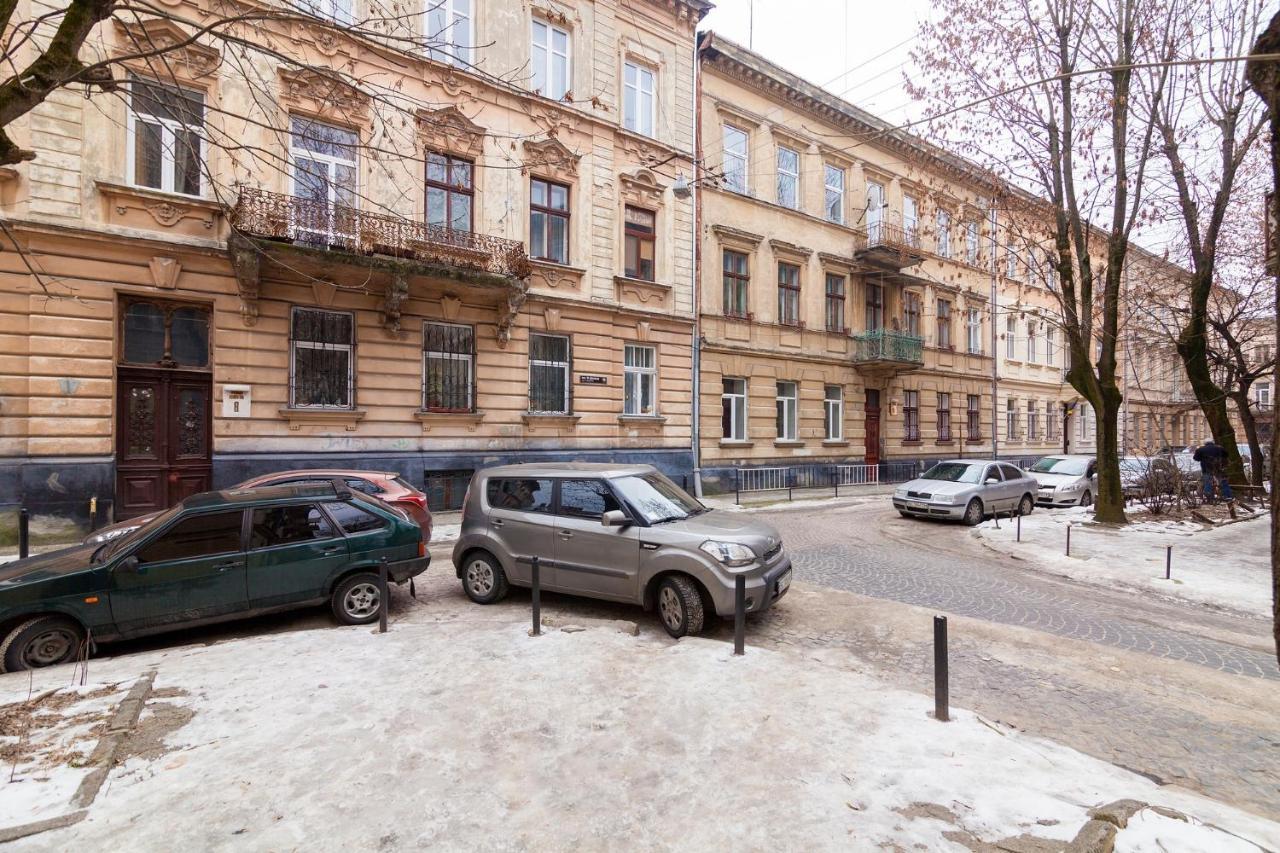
331	549
230	564
566	534
497	522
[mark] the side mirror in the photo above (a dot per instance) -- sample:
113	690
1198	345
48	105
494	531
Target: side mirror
128	564
615	518
992	481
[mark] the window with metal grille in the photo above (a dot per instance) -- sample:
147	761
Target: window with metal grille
786	400
549	374
874	306
835	302
911	312
448	367
788	177
1011	418
733	409
321	359
911	415
549	221
737	284
640	380
450	194
973	418
944	324
944	416
640	231
789	294
833	410
1050	421
165	137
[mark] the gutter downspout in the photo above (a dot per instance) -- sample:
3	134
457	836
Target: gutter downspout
695	273
995	344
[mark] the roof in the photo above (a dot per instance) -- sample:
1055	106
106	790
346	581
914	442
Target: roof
563	469
235	497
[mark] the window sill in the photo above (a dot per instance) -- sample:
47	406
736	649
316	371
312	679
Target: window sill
731	442
551	419
944	442
642	420
430	420
347	418
788	442
978	440
911	442
835	442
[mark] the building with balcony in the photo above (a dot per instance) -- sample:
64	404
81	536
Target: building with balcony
317	245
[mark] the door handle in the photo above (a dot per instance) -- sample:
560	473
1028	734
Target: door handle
330	549
497	522
566	534
231	564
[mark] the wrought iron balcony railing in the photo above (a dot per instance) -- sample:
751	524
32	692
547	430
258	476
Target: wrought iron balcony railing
887	236
336	227
887	345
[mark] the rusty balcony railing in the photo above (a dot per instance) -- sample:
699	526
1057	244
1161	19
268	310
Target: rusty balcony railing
888	236
337	227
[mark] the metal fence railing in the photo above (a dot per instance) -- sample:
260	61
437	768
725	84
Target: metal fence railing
855	475
898	472
761	480
788	478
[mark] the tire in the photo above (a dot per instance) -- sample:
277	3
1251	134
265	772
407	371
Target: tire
483	579
357	600
904	513
1027	505
973	513
1086	499
39	642
680	606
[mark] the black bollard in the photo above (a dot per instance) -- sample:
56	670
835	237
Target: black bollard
24	533
739	615
1068	539
537	599
1168	561
941	676
384	597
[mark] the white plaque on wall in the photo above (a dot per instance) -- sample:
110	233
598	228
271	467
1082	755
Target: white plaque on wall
236	400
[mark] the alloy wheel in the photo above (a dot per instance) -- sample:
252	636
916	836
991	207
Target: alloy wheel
670	608
480	577
361	601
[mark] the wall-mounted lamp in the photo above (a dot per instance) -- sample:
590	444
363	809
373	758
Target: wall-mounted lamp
681	189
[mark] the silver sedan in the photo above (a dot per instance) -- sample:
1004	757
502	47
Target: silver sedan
967	490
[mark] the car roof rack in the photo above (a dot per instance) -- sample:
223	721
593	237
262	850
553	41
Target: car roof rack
341	489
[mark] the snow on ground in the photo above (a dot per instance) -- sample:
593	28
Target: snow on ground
1227	566
467	733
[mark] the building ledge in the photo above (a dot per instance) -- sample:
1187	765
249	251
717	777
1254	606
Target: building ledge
642	420
555	276
835	443
347	418
728	442
788	443
430	420
142	207
561	421
641	293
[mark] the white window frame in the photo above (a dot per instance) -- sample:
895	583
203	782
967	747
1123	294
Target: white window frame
548	64
641	374
1050	421
338	11
639	104
973	322
566	366
1011	262
1049	345
737	401
1011	418
793	175
1011	338
944	233
833	198
1262	394
1032	355
348	348
168	143
833	411
875	210
735	180
911	219
971	242
468	358
1033	420
787	409
450	51
331	163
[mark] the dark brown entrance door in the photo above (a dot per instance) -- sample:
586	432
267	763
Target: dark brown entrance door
163	418
872	420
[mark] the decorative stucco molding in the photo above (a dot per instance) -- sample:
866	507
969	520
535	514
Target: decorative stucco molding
183	58
551	157
448	129
323	95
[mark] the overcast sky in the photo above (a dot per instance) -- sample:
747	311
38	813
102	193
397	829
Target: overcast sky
858	49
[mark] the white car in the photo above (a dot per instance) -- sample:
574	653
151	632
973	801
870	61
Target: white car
1066	480
966	490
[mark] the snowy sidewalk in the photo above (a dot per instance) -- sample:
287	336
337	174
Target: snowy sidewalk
1227	566
463	732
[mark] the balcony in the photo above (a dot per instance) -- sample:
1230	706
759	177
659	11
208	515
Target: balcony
883	352
888	248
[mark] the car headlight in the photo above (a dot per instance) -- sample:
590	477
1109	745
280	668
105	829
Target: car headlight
729	553
899	493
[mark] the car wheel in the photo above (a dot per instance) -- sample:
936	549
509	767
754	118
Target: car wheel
1086	499
483	579
904	513
357	600
680	606
43	641
1026	505
973	513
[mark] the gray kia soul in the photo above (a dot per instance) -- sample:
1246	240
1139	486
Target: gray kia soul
618	532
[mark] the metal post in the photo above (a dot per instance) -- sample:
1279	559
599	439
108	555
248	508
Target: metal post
737	486
941	675
835	479
739	614
791	481
1068	539
24	533
1168	561
384	597
537	598
1019	527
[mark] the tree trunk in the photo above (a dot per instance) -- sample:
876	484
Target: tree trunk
1193	349
1257	473
1110	502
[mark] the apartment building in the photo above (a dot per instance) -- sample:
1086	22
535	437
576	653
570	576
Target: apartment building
243	260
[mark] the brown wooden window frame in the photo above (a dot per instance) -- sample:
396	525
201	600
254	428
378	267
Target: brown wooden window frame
944	324
944	416
167	310
911	310
788	295
450	189
835	302
739	281
973	418
874	320
549	213
910	415
635	235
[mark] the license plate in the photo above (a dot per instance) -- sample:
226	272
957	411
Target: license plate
784	582
914	505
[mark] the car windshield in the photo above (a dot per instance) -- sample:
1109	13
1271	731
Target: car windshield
954	472
1061	465
123	541
657	499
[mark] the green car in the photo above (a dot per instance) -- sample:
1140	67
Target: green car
214	557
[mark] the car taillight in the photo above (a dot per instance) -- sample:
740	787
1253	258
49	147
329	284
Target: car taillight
419	501
422	547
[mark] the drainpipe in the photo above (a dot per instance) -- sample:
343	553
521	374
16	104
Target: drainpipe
995	343
695	274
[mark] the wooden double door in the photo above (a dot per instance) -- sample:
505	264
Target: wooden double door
163	447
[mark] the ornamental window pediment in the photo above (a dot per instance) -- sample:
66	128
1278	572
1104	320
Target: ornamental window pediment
449	129
182	58
552	158
323	96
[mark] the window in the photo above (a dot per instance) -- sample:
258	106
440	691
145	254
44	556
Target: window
735	159
549	221
833	412
733	410
1050	422
736	284
164	334
1262	395
449	31
944	233
875	306
639	380
550	61
973	418
944	324
789	294
1050	345
1010	337
835	302
1011	262
875	212
196	536
786	405
586	499
338	11
637	98
321	349
449	192
971	242
352	519
974	324
834	183
324	172
549	374
525	495
1011	419
1033	420
788	178
287	525
640	230
1262	354
1032	355
911	220
944	416
448	367
911	312
911	415
165	137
